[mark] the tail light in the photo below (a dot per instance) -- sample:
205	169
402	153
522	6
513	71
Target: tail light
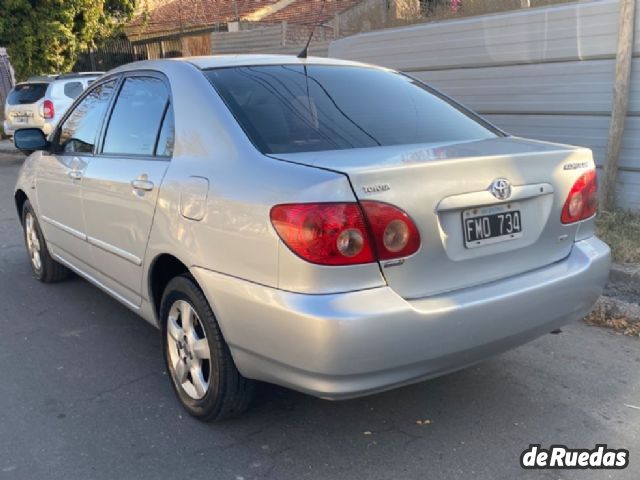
394	233
324	233
48	110
345	233
582	200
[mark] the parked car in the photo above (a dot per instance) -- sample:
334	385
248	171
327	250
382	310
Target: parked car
40	102
332	227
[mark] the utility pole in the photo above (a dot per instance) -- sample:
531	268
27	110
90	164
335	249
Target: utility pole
622	81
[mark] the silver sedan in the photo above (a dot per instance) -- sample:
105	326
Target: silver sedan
332	227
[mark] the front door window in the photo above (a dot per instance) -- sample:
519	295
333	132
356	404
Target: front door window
79	132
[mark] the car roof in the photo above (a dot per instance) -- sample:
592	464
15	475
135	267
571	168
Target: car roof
39	79
61	76
241	60
219	61
31	82
69	76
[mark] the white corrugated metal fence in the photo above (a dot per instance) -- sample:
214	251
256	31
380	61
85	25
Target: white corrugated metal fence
542	73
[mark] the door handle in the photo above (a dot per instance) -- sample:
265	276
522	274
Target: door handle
75	174
142	184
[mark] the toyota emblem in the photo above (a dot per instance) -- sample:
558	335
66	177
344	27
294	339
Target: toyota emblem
501	188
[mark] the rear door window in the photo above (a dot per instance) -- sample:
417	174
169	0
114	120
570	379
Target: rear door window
79	131
136	117
27	93
73	89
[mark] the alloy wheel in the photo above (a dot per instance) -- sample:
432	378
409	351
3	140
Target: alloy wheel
188	350
33	242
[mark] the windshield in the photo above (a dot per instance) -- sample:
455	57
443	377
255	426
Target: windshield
293	108
27	93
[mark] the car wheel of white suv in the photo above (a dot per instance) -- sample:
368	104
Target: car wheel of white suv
197	358
45	268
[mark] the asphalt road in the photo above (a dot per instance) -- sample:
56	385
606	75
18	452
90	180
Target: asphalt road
84	395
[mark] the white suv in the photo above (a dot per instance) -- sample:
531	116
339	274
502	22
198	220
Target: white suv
41	101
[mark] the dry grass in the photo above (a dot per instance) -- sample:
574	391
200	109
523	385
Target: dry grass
621	230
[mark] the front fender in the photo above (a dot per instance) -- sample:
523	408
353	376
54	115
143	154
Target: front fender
26	182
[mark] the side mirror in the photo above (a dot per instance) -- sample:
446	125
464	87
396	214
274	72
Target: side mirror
30	139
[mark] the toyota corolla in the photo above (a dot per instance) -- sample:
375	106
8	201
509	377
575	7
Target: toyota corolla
332	227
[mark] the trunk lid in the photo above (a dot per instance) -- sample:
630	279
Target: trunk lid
438	185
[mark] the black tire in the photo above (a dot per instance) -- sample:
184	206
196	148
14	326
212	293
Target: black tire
229	394
49	271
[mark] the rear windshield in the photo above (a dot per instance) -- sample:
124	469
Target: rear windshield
27	93
293	108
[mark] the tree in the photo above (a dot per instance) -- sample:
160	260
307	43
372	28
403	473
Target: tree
46	36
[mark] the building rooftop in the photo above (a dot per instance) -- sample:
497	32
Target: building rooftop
187	15
308	12
178	16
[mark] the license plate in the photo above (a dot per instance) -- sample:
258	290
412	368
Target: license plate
487	225
21	119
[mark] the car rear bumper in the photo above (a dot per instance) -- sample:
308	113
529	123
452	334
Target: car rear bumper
346	345
10	128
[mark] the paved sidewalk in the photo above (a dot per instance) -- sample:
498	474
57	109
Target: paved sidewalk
6	146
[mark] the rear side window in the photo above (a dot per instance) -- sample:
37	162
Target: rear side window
79	131
296	108
27	93
136	118
73	89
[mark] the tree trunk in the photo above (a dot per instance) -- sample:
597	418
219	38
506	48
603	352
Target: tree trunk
620	105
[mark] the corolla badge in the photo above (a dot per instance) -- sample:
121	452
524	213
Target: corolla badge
501	188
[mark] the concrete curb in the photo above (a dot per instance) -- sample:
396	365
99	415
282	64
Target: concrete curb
616	314
616	308
629	275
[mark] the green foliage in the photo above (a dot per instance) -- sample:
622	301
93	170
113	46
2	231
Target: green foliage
46	36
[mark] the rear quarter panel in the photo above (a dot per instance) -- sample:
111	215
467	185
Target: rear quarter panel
236	237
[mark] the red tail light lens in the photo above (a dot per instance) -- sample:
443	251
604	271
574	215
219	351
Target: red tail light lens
338	234
324	233
394	233
48	110
582	201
